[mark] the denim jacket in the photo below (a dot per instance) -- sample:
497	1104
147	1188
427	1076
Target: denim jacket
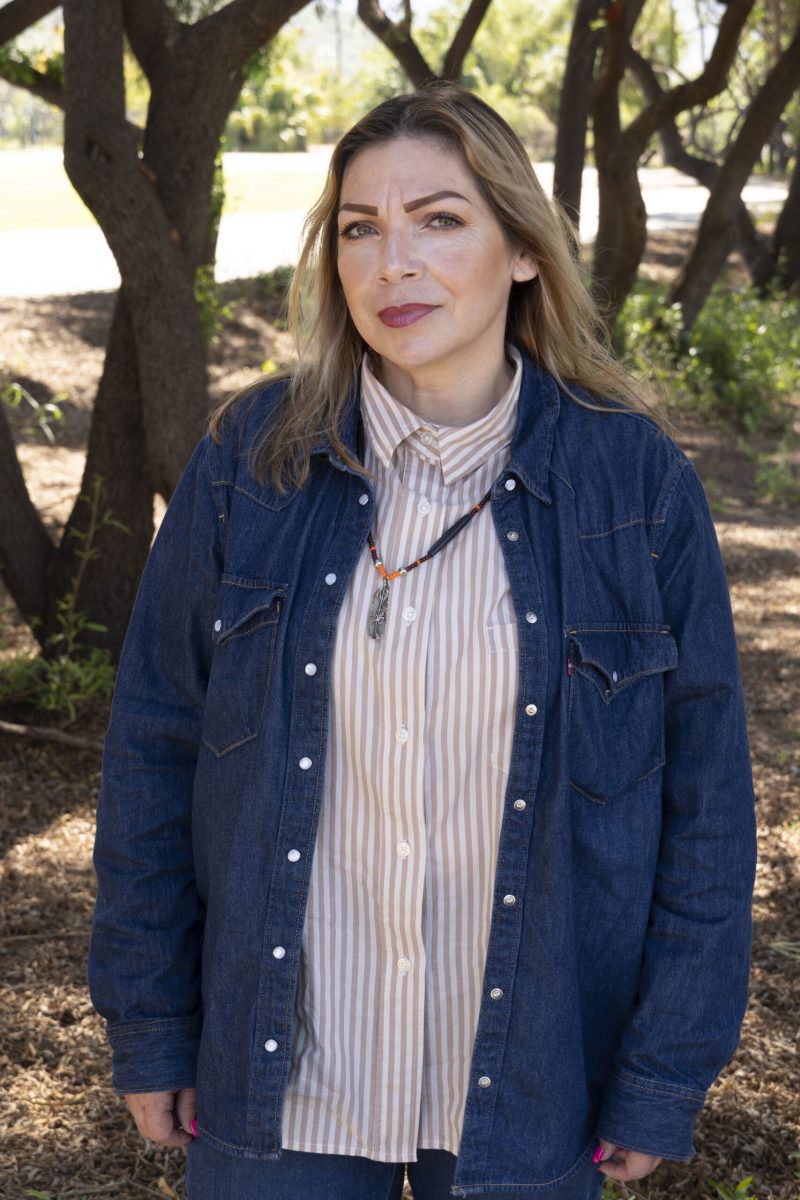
616	983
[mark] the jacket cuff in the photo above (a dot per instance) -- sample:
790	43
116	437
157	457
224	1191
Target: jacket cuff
651	1116
154	1056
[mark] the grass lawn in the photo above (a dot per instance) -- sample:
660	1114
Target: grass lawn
38	195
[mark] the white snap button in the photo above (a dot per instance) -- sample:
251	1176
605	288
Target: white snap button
403	849
402	735
509	900
531	617
271	1044
484	1081
409	615
403	965
329	579
293	855
363	498
304	764
424	506
614	676
279	952
311	668
510	485
496	993
218	625
531	710
519	805
512	535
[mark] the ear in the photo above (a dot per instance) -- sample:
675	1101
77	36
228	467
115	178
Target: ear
524	267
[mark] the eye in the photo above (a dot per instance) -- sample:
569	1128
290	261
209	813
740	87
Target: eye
349	233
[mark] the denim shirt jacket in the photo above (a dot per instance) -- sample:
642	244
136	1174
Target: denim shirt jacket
616	982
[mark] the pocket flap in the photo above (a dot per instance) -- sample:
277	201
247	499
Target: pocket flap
620	656
245	605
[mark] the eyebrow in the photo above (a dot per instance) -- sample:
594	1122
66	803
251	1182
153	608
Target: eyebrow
412	204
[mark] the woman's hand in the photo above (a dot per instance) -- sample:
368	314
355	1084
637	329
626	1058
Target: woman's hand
164	1117
630	1163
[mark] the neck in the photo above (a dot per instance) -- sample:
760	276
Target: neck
446	397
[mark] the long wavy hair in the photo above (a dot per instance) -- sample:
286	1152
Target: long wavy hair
552	315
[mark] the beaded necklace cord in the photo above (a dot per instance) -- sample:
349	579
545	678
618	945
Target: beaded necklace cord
376	618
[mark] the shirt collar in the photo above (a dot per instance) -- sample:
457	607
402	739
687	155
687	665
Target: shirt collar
458	450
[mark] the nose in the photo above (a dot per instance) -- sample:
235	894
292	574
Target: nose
398	257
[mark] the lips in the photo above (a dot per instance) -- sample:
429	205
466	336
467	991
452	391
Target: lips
405	314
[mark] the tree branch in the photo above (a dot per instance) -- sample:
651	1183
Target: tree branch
241	27
26	550
463	39
36	82
151	30
19	15
696	91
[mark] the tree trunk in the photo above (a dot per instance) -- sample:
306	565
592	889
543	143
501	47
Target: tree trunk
786	246
573	111
26	549
715	236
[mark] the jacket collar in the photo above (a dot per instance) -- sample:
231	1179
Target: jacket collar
531	446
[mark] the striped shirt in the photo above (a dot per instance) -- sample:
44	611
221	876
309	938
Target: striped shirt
419	748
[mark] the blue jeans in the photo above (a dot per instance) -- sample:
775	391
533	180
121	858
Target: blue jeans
212	1175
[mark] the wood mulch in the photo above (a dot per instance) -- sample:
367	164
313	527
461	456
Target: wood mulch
64	1133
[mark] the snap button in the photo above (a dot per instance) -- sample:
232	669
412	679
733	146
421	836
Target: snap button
363	498
496	993
512	535
484	1081
304	763
311	668
279	952
271	1044
293	855
218	625
531	617
510	485
614	676
531	710
330	578
519	805
509	900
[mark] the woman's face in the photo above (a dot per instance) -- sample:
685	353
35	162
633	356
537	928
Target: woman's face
405	237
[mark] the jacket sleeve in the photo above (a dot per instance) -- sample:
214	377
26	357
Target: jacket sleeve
693	987
144	954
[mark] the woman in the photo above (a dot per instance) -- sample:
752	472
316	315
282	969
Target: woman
426	831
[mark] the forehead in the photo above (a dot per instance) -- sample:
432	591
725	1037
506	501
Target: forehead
403	158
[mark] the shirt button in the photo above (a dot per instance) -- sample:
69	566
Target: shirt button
403	849
293	855
426	437
409	615
329	579
531	616
403	966
402	735
531	710
509	900
279	952
311	668
512	535
496	993
363	498
424	506
519	805
271	1044
484	1081
510	485
304	764
218	625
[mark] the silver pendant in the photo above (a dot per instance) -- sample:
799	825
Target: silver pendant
376	619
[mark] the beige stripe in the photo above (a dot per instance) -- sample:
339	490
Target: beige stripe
380	1057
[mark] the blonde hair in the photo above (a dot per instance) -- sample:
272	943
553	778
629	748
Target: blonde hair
552	316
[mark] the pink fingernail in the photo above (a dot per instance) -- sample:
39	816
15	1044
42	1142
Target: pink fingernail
194	1127
598	1154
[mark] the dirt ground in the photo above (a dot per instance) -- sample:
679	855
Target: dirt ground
64	1133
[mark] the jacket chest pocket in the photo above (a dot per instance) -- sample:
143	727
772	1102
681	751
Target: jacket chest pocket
616	705
244	634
